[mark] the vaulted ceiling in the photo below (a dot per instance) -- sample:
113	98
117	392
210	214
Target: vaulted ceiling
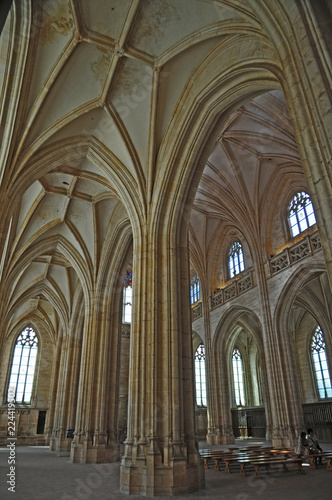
110	75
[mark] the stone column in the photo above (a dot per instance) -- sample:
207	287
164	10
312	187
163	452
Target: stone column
93	441
81	449
282	426
106	379
161	456
58	441
74	381
220	430
51	419
66	394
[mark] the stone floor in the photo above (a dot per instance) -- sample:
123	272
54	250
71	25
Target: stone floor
43	475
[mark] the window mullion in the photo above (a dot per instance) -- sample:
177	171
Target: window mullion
18	371
26	375
322	372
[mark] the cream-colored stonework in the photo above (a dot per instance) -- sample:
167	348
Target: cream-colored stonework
148	135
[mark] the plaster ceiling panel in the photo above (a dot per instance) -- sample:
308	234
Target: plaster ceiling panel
247	164
46	308
255	124
74	283
39	307
163	23
86	165
314	287
89	188
59	278
79	82
212	230
80	215
57	28
29	196
34	273
206	202
267	171
58	180
99	124
131	97
21	310
271	106
67	234
173	78
105	16
48	210
5	51
84	168
267	144
197	222
220	171
104	210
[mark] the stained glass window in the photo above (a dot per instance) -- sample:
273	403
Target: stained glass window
320	363
238	378
200	376
23	366
300	213
194	289
235	259
127	297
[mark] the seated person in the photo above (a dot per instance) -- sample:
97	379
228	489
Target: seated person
303	445
314	447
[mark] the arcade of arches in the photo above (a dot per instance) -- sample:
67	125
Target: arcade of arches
145	143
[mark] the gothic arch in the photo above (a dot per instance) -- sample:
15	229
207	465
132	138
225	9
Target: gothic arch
231	324
304	274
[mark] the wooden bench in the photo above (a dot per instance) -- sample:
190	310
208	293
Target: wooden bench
208	456
267	462
327	455
242	457
284	453
239	458
257	462
213	456
236	458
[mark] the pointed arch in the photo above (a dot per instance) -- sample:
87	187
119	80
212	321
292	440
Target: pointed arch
300	213
23	366
321	365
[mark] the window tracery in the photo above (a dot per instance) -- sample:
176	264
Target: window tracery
200	376
23	366
300	213
235	259
194	289
238	378
322	373
127	297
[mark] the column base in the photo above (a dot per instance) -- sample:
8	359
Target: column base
284	437
88	454
60	444
178	479
220	436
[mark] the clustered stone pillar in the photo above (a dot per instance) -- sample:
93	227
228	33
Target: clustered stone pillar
161	456
94	441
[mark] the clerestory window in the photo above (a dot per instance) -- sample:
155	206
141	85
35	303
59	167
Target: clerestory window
200	376
127	298
235	259
194	289
238	378
300	213
318	350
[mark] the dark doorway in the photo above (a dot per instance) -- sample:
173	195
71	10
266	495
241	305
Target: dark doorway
41	422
